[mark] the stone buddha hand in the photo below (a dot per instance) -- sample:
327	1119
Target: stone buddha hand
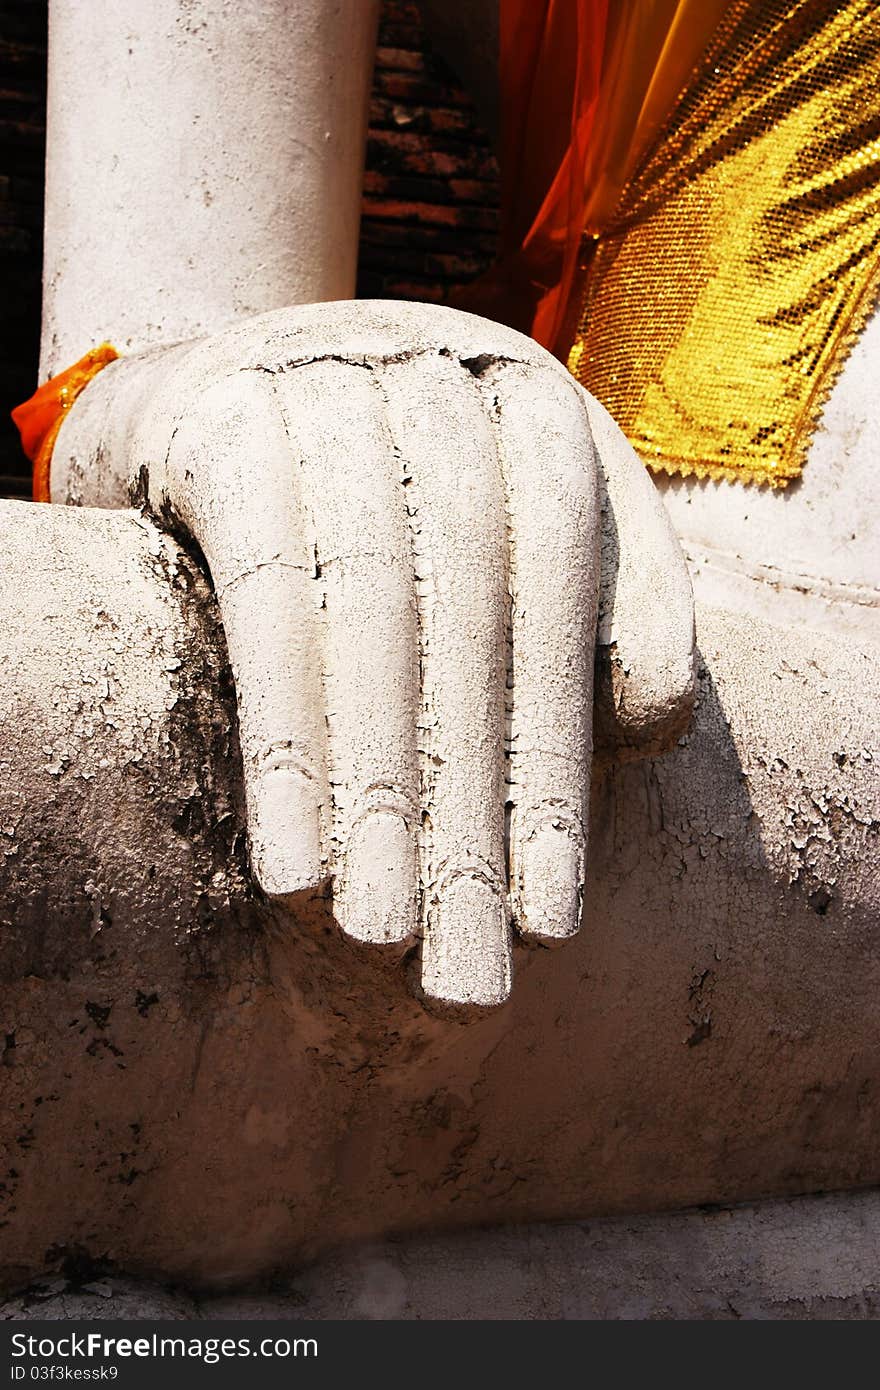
417	527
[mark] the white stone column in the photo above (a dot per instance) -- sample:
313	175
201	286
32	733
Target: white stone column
204	163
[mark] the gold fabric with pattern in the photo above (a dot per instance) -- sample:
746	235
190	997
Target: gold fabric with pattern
742	260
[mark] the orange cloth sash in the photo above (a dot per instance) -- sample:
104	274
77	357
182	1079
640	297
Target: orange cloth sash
40	418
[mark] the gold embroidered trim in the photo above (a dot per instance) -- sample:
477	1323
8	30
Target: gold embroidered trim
744	257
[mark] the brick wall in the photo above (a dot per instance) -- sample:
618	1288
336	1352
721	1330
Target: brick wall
430	190
431	185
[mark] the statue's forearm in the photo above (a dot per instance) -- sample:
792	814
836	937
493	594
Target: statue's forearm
203	164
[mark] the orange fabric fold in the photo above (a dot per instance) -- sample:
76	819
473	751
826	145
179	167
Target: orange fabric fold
585	87
39	419
550	63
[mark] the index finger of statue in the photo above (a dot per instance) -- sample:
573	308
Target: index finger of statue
549	464
232	485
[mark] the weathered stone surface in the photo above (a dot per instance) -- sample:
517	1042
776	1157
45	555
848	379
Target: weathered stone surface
236	191
810	1258
200	1087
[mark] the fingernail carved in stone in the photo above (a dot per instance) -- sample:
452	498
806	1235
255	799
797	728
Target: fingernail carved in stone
550	880
466	958
380	894
284	827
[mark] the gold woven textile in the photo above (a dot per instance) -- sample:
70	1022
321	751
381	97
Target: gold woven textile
723	295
